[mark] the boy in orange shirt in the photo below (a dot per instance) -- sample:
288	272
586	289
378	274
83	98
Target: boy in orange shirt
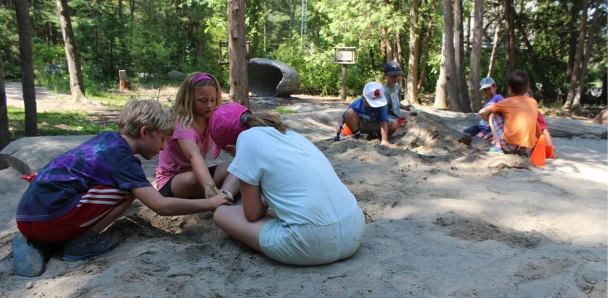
513	120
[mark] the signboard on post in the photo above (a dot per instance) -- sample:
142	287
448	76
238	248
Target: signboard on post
344	56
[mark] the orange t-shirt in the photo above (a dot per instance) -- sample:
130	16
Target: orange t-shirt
521	125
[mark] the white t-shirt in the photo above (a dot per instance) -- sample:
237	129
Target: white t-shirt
295	177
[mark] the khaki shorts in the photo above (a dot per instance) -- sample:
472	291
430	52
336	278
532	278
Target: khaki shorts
369	127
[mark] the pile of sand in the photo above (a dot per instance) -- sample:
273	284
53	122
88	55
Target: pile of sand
443	219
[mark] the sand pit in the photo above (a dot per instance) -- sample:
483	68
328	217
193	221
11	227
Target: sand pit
443	219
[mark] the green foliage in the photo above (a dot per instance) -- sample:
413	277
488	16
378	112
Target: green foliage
148	39
55	123
283	110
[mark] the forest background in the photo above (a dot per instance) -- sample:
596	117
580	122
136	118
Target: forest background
561	44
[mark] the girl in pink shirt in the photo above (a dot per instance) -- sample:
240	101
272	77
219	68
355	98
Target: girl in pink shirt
182	171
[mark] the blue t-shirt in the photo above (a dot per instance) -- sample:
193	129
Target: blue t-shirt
367	115
105	159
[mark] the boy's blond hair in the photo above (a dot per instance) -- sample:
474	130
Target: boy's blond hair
139	113
182	108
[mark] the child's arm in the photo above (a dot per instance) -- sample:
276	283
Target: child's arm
340	123
485	113
164	206
253	206
199	166
384	133
404	107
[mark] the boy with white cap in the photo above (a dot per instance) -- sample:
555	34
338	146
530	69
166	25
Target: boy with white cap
482	129
368	114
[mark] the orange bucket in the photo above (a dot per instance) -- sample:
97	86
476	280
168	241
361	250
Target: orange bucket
346	131
538	156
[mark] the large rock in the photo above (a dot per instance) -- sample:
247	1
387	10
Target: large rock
272	78
30	154
558	127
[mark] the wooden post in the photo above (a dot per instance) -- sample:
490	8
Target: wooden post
124	80
237	52
344	68
344	56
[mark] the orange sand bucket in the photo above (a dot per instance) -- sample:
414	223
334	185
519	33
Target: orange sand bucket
346	131
538	156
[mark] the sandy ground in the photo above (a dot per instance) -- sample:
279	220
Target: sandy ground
444	219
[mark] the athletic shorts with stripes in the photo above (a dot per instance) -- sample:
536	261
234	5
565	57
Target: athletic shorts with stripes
94	205
499	125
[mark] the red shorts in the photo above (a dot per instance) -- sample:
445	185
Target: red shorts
94	205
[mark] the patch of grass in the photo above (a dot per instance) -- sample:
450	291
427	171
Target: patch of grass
57	123
283	110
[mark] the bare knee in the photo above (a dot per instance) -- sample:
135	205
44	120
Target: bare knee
392	126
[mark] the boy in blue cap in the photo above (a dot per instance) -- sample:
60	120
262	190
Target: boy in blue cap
392	92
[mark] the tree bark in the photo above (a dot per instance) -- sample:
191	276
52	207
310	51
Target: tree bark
427	47
495	43
447	65
373	63
475	63
4	131
411	92
441	90
576	103
577	60
459	74
548	88
27	67
509	39
71	52
237	52
574	10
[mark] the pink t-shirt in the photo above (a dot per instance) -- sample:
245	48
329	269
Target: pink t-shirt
172	160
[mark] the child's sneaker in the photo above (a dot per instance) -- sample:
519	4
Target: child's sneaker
28	261
357	135
494	149
87	245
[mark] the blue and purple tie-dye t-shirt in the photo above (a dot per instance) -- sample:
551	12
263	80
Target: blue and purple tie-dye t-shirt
106	159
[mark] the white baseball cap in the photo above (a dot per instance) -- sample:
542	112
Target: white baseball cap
374	94
486	83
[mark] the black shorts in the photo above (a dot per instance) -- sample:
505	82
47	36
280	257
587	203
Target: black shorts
166	190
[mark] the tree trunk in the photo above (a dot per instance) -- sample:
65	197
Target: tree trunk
475	63
373	63
576	103
448	58
578	59
411	92
459	74
441	92
604	95
509	39
27	67
71	53
427	47
237	52
548	88
574	10
388	46
495	43
4	132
